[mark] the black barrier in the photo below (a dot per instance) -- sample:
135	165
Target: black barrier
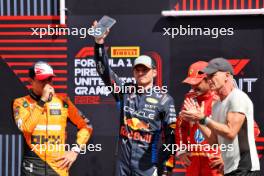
11	140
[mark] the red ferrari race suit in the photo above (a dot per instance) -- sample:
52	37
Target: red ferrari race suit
43	126
189	133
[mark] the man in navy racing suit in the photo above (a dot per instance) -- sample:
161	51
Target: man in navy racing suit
144	116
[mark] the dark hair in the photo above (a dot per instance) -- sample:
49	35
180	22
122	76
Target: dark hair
31	72
153	64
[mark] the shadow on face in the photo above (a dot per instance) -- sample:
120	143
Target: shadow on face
144	75
37	85
202	87
218	79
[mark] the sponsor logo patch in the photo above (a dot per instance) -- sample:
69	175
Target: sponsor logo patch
25	104
55	112
152	100
198	136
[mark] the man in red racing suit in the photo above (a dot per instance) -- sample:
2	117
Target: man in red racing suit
204	160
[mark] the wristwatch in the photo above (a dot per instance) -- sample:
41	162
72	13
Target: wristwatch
76	149
204	121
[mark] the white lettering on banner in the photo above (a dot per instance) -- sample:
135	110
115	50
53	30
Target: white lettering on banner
112	63
98	90
245	84
97	81
129	63
85	72
81	91
120	63
87	80
84	63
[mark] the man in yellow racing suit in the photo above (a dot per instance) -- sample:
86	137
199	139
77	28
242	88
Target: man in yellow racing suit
42	117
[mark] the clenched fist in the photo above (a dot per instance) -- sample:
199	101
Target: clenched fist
48	92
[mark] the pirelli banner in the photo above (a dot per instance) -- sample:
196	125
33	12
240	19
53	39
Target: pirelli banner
72	57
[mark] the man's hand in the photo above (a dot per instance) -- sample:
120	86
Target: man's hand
48	91
66	160
217	162
100	40
184	159
192	110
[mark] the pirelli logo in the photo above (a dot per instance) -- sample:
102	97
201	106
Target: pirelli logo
125	51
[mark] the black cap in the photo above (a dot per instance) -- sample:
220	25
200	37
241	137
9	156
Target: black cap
218	64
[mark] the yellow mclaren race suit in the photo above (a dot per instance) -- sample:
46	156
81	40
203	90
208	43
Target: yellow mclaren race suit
43	126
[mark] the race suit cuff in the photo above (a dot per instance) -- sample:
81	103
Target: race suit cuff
180	152
41	103
167	169
99	45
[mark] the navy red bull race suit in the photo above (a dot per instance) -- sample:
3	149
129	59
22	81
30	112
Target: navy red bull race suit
143	118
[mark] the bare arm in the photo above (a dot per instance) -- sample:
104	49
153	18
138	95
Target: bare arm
232	126
229	130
